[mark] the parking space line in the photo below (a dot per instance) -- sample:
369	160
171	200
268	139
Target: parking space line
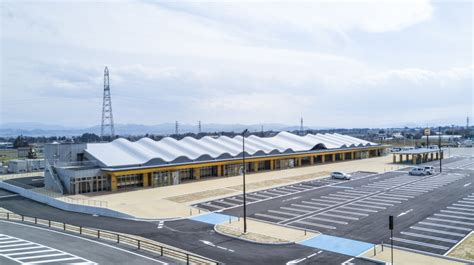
448	211
419	243
454	216
463	205
445	226
462	201
450	221
383	196
437	231
326	220
429	237
320	200
368	200
358	209
271	193
339	216
226	203
296	210
376	198
283	213
316	224
270	216
316	203
333	198
235	200
399	195
344	196
346	212
368	206
459	208
43	256
305	206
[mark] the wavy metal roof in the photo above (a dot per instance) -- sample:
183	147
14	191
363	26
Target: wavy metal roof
147	152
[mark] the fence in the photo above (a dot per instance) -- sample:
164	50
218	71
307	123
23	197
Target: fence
150	247
58	196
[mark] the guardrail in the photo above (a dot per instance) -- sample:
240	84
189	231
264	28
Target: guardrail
88	202
150	247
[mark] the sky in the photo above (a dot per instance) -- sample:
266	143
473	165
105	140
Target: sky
336	64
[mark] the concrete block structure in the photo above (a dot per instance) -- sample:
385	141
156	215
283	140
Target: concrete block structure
123	164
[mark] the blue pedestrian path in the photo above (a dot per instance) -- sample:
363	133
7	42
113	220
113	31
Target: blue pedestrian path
213	218
338	244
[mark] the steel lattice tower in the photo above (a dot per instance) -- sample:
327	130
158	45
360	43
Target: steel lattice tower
107	116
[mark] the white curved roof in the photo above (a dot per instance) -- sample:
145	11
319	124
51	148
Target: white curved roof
146	151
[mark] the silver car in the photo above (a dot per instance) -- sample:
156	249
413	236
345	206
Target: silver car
418	171
340	175
429	170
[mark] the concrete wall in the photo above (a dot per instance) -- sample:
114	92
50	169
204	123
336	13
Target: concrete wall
61	204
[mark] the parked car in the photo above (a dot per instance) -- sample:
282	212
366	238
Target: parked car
340	175
395	149
429	170
418	171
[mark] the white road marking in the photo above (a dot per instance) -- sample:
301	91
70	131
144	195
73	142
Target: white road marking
437	231
459	208
296	210
271	216
375	198
454	216
368	200
283	213
419	243
358	209
456	212
429	237
368	206
209	243
463	205
339	216
290	199
346	212
445	226
305	206
450	221
8	196
403	213
326	220
315	224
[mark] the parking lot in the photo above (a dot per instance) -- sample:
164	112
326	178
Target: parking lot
433	213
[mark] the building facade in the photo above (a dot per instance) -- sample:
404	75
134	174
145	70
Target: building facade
121	164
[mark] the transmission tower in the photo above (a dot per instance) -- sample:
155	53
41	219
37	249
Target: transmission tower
467	122
107	116
176	126
199	127
301	126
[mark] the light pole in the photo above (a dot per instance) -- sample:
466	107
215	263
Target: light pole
439	149
243	174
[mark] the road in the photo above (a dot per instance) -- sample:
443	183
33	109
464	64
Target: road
26	244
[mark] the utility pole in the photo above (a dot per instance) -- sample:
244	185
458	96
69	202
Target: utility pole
107	116
439	149
243	175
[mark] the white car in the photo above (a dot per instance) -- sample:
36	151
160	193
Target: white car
418	171
340	175
429	170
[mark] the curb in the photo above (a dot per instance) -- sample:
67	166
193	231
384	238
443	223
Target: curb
251	241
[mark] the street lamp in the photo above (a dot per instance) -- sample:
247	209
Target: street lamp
243	174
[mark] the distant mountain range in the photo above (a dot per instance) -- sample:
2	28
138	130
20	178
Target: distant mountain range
38	129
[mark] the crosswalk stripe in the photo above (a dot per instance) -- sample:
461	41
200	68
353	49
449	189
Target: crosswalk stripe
437	231
15	249
31	252
16	245
419	243
320	200
450	221
333	198
317	225
271	216
429	237
54	260
461	201
43	256
227	203
445	226
11	241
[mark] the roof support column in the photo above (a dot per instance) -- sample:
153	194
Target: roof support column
197	173
145	177
255	166
394	158
113	182
323	158
219	170
272	164
343	156
311	160
333	157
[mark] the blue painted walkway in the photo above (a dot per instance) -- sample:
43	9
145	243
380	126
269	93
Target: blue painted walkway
338	244
213	218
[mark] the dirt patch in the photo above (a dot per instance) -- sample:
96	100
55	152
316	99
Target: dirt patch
249	236
274	182
465	250
199	195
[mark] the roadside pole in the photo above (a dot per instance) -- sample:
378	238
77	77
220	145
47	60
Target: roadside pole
390	226
243	174
439	149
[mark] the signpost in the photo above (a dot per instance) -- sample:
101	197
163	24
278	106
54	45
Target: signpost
390	226
427	133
